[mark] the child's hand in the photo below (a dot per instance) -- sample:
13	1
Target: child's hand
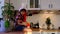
24	23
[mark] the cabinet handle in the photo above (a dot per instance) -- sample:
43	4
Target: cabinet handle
49	5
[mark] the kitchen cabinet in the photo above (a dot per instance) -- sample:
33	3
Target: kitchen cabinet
50	4
44	5
56	4
33	4
46	32
50	33
35	32
37	4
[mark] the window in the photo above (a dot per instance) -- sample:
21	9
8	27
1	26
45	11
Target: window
31	3
34	3
53	33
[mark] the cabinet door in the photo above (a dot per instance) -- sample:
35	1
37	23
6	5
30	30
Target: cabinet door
56	4
33	5
46	33
35	32
53	33
45	4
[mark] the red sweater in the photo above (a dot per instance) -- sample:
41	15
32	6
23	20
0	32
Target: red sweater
24	16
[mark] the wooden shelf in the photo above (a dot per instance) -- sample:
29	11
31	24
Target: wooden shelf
45	30
35	29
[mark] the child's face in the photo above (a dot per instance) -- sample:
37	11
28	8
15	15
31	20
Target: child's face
23	12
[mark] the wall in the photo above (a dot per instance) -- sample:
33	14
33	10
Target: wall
41	18
18	3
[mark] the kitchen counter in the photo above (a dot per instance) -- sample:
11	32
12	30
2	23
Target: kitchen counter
45	30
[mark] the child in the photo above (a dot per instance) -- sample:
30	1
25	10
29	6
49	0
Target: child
23	13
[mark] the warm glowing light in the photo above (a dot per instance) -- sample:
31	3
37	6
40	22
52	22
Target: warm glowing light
47	15
46	12
51	12
28	31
